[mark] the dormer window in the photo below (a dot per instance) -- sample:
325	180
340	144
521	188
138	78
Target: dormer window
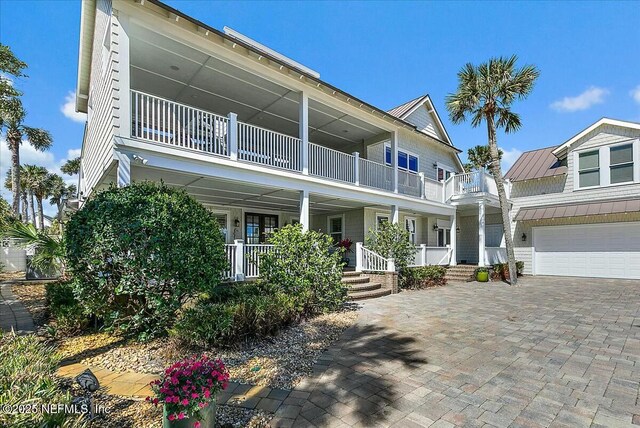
589	169
621	163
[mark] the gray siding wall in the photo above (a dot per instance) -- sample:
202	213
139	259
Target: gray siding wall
559	190
424	122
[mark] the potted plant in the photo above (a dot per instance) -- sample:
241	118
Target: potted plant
482	274
187	391
345	246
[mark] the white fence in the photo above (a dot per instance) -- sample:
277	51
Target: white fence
409	183
376	175
332	164
425	256
367	260
244	260
12	257
433	190
263	146
470	182
493	255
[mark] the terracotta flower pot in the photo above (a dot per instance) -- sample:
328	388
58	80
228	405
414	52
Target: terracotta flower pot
208	418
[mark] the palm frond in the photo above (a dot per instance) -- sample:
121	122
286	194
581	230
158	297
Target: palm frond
40	139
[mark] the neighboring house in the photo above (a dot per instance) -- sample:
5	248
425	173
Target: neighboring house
263	142
576	207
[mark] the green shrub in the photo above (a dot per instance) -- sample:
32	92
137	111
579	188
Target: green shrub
138	253
27	368
64	308
501	270
422	277
392	241
304	266
236	312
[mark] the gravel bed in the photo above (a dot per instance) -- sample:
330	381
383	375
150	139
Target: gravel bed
280	361
32	295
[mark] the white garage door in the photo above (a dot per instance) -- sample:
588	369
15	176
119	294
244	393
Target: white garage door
610	250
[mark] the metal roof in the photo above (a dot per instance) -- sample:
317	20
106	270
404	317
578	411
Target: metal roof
536	164
578	209
402	109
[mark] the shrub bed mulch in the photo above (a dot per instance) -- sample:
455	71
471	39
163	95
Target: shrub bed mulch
280	361
32	296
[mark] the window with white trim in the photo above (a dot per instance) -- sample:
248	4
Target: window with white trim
221	218
410	225
406	161
621	163
336	228
380	218
589	168
444	173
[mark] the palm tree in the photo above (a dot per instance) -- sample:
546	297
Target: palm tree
28	178
485	93
60	192
479	158
9	66
71	166
41	186
24	195
40	139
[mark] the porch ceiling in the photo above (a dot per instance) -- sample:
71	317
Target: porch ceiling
164	67
227	193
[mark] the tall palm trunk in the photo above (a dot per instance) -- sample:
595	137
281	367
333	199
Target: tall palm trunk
40	213
32	208
60	206
13	140
23	207
502	197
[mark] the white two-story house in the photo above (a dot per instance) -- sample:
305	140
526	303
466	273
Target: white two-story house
263	142
576	206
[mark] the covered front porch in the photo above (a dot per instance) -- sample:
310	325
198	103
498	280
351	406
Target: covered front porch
480	233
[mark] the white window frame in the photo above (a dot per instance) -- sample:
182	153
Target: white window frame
604	156
412	235
331	217
445	168
444	235
599	168
633	162
407	152
228	214
382	215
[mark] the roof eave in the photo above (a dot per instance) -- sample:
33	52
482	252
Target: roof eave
85	52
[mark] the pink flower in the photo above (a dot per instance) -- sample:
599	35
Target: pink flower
180	415
172	417
185	402
196	424
156	401
202	404
207	394
194	395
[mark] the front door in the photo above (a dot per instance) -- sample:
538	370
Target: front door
258	227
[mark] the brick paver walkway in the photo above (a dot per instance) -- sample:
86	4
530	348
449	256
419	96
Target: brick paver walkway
552	352
13	314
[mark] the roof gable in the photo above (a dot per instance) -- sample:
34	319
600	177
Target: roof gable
565	147
421	113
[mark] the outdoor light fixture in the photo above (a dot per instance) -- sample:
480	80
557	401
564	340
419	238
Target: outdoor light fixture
524	237
236	222
457	230
89	382
435	227
139	159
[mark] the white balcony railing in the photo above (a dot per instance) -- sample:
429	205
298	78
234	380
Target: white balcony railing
331	164
425	256
163	121
493	255
470	183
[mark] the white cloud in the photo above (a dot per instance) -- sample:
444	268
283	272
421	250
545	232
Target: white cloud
509	156
591	96
69	108
29	155
635	94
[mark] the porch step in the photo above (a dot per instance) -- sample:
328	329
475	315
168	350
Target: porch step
361	295
460	273
367	286
355	279
350	273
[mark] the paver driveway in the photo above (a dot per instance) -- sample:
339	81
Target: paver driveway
550	352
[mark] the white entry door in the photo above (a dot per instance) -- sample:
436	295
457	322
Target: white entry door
608	250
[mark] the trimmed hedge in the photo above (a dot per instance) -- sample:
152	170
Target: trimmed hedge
422	277
64	308
138	253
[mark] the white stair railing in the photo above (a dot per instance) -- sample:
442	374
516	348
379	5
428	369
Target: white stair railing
332	164
263	146
367	260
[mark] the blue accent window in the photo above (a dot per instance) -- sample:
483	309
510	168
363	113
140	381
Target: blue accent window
413	163
402	160
405	161
387	155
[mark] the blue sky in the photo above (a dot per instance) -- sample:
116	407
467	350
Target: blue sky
386	53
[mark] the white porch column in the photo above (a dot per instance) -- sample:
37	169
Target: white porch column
395	214
394	161
359	257
423	254
422	192
356	168
481	261
303	133
232	136
454	239
124	169
304	210
239	260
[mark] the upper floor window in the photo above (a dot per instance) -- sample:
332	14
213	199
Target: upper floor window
589	169
406	161
621	163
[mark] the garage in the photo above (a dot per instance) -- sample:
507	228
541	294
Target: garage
606	250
